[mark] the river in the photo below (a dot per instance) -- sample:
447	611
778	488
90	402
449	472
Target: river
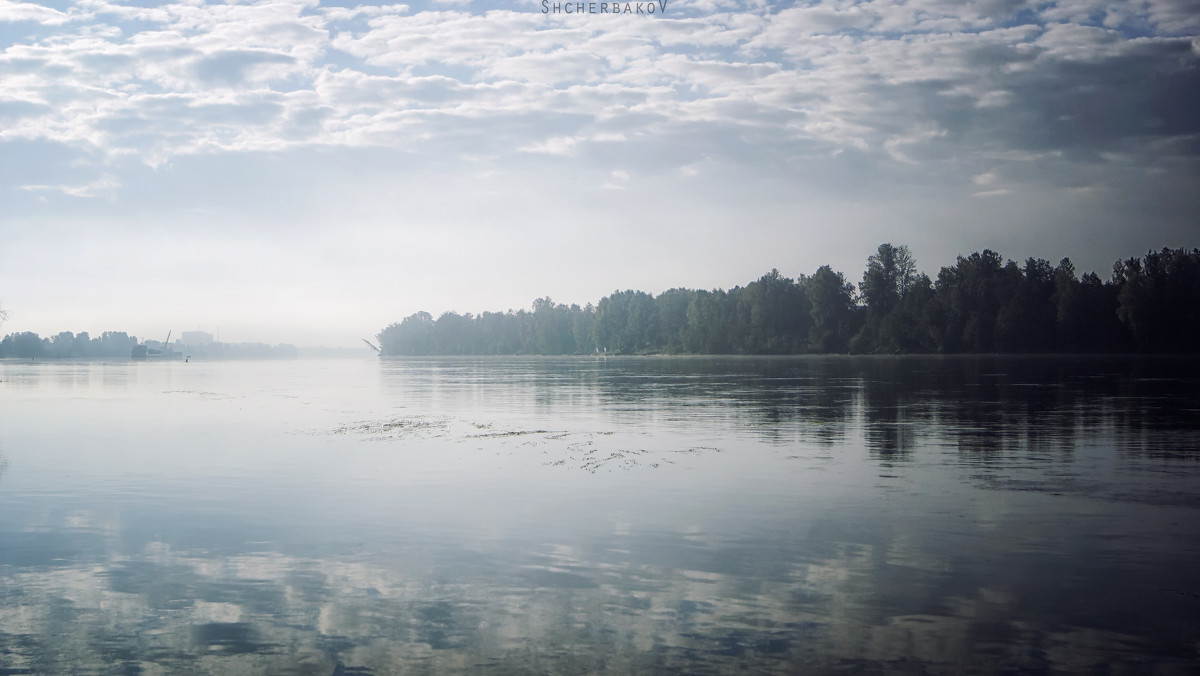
889	515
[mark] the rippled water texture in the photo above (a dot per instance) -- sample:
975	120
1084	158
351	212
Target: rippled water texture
620	515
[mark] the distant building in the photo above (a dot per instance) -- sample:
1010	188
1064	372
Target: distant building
197	338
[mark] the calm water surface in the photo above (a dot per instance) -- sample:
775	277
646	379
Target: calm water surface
621	515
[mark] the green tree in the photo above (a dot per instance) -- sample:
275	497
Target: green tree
62	345
708	321
83	345
499	333
24	345
832	309
1098	308
910	327
627	322
453	333
612	317
891	273
776	314
583	326
553	332
971	293
1026	320
1158	299
672	306
412	336
116	344
1068	308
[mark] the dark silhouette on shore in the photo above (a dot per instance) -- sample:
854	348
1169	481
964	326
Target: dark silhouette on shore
981	304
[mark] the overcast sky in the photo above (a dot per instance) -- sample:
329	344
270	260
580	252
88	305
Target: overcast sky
308	172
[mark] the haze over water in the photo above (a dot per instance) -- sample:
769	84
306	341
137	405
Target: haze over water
621	515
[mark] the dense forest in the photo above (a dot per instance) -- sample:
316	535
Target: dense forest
980	304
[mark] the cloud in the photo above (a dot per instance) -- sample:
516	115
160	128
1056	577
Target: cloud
14	12
105	185
619	179
559	145
934	78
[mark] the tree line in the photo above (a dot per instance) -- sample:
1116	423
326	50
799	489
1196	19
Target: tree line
120	345
29	345
980	304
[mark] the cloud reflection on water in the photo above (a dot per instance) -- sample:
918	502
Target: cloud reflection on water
870	516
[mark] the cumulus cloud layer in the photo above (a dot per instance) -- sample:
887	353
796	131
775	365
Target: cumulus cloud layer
997	85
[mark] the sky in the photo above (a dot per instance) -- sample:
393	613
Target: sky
308	172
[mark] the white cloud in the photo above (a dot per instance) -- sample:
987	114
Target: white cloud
559	145
27	11
110	85
619	179
104	186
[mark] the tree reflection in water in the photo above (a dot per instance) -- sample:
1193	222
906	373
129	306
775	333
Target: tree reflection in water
876	515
